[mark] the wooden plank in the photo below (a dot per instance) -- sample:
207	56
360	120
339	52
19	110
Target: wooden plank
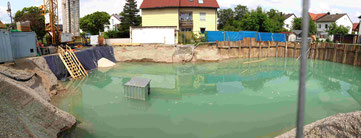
250	47
260	49
286	50
276	49
335	53
269	49
240	48
344	54
356	56
294	49
78	62
65	63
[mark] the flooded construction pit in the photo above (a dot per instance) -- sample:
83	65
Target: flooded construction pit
234	98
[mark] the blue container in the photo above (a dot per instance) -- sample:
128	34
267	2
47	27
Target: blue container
23	44
6	54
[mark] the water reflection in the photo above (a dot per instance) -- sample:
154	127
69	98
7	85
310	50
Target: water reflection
222	99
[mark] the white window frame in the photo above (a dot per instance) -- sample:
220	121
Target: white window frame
201	1
202	16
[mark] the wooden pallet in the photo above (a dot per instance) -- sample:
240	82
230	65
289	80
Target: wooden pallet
72	63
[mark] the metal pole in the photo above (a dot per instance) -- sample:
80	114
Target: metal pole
303	70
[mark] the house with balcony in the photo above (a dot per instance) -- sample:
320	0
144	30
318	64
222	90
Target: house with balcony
196	16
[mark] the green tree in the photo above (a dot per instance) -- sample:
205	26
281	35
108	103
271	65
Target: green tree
257	20
226	17
339	30
240	11
94	23
130	17
37	20
297	25
276	21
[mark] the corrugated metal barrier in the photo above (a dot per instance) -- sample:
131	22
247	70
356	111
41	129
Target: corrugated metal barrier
213	36
6	54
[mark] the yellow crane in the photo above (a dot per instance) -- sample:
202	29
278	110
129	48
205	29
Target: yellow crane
50	11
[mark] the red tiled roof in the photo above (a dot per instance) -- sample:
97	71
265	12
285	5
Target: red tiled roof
355	26
316	16
148	4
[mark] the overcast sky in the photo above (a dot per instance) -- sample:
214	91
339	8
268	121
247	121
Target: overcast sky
351	7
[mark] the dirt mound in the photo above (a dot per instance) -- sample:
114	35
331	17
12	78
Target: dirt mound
24	113
340	125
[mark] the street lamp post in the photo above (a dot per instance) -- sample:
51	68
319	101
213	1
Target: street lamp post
11	17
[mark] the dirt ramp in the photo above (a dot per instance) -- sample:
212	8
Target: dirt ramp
23	113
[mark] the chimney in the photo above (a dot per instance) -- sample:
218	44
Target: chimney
328	13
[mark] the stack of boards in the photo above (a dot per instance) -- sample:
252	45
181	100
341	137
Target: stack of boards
23	26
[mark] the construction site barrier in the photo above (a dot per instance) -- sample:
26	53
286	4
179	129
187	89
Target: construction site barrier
214	36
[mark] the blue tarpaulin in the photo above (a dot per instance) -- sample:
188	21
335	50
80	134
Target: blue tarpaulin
213	36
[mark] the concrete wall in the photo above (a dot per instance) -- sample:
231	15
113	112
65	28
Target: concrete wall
112	41
71	16
151	35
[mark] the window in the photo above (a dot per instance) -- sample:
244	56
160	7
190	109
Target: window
319	26
326	26
202	16
112	21
287	25
200	1
203	30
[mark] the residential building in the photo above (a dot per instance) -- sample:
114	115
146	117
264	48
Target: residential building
324	22
359	31
114	23
288	21
186	15
316	16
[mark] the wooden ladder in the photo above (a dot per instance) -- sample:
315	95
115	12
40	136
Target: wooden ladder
72	63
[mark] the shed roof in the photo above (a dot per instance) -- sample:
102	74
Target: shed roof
149	4
138	82
331	18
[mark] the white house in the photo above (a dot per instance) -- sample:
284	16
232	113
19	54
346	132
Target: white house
288	21
324	23
114	23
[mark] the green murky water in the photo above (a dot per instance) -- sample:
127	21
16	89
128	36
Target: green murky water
228	99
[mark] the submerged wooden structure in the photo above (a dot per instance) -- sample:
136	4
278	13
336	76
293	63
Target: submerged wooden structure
137	88
72	63
250	48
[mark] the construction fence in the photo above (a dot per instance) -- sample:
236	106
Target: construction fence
214	36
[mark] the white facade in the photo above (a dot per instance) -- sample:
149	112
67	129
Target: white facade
153	35
114	23
288	22
344	21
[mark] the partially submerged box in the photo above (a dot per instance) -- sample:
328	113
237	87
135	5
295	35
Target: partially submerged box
137	88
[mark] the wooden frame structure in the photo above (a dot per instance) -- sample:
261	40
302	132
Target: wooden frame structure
72	63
